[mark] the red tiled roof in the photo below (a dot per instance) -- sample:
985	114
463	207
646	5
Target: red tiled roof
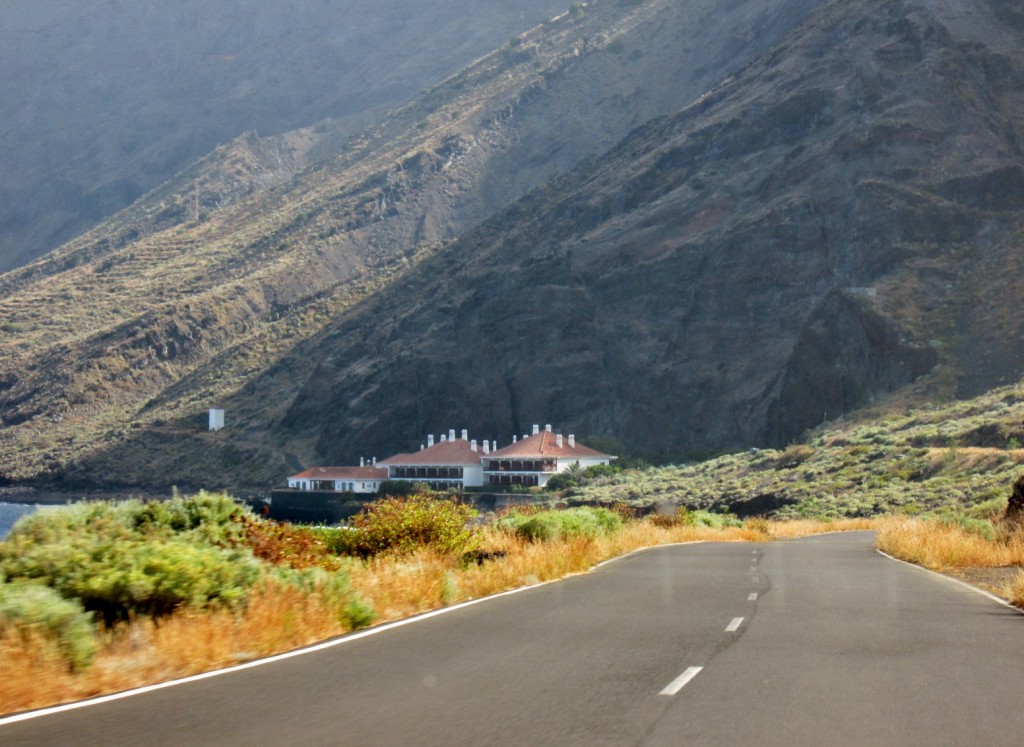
342	473
545	445
444	453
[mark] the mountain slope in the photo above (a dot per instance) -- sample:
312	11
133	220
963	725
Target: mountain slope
106	99
813	234
214	289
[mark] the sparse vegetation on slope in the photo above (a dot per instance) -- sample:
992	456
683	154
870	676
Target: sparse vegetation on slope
118	342
940	459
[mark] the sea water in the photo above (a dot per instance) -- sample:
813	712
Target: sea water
10	513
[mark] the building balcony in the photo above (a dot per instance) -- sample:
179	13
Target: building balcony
521	465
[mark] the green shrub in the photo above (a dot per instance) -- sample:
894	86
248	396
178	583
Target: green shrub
560	481
333	587
714	521
397	488
118	578
539	528
991	505
601	470
581	521
210	518
28	607
400	526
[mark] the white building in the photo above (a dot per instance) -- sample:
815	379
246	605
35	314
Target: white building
449	463
350	479
456	463
534	459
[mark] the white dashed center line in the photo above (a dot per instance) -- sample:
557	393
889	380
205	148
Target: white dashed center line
681	681
734	625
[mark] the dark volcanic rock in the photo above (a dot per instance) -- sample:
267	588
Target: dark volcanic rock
846	355
732	275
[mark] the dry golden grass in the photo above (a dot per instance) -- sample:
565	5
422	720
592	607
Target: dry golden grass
938	545
279	618
807	527
1014	589
426	580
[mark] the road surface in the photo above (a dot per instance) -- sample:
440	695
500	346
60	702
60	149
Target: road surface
805	642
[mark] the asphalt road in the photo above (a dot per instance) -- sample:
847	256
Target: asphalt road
814	641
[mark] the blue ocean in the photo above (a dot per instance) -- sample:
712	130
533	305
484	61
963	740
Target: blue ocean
10	513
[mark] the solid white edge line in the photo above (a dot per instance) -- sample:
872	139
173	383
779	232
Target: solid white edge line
966	585
681	681
348	638
38	713
645	549
734	625
752	597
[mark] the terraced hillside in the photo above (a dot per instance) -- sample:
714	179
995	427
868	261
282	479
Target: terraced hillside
838	222
105	100
217	288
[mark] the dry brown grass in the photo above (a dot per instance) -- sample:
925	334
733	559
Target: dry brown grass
279	618
1014	589
938	545
807	527
425	581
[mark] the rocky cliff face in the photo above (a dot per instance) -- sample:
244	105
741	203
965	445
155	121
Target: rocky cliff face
686	227
731	275
105	100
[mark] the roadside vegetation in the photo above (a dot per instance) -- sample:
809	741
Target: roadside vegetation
97	597
983	545
910	460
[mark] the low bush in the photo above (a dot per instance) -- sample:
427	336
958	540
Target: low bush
400	526
134	557
123	577
30	609
794	455
560	481
335	589
210	518
291	545
713	521
681	517
581	521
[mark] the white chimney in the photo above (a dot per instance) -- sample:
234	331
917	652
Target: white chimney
422	447
487	446
472	445
360	461
513	438
558	440
465	435
451	435
536	429
572	441
375	461
444	438
430	440
548	427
